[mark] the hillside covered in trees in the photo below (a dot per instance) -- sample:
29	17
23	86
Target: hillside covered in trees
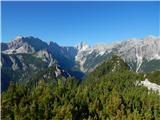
110	92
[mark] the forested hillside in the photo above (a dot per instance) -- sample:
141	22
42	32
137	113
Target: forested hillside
110	92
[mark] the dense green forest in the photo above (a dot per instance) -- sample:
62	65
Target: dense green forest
108	93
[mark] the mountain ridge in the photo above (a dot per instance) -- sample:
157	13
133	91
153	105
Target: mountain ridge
141	55
134	51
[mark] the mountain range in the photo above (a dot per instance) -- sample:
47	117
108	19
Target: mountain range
111	91
24	56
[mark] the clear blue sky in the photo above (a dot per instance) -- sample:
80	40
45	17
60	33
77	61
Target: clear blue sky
69	23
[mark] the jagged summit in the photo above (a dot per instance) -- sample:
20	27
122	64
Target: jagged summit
24	45
19	37
82	46
53	43
138	53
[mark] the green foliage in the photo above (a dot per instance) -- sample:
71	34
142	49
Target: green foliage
112	65
103	95
154	77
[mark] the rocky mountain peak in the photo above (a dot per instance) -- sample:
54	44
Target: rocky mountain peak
19	37
15	41
24	45
53	44
82	46
136	52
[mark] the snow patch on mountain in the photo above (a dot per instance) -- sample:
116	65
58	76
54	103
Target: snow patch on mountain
157	57
14	64
57	72
139	62
150	85
101	53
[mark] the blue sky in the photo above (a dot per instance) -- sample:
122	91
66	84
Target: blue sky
69	23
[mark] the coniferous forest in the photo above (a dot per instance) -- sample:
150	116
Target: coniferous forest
110	92
80	60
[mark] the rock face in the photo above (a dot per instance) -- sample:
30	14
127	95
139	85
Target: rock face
150	85
83	51
141	55
23	45
138	53
25	57
46	57
26	68
139	50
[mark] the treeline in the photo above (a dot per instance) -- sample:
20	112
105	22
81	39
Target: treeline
154	77
103	94
114	96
